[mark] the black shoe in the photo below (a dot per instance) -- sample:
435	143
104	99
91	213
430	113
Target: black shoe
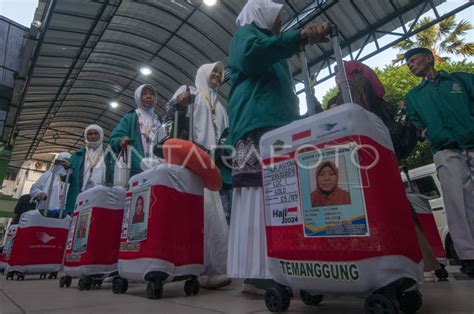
467	268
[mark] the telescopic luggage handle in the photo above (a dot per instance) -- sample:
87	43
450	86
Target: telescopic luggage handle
343	82
48	196
64	196
191	118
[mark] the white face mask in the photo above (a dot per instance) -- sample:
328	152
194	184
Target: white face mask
59	170
93	145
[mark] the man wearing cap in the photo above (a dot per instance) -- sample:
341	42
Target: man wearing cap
443	104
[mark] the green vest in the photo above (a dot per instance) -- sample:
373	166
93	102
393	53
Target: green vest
262	93
75	179
128	126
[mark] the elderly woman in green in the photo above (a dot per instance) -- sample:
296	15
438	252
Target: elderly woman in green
262	98
138	128
87	164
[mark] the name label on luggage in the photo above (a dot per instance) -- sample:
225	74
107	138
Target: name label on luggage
281	193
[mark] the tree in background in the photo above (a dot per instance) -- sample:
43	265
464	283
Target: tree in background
446	37
397	81
330	94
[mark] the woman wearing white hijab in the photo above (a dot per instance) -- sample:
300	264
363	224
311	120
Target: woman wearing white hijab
48	190
138	128
210	121
87	164
210	117
262	98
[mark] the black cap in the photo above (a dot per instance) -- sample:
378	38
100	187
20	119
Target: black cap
410	53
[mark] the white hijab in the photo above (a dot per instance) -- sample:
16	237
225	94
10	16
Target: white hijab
47	179
138	100
261	12
204	133
148	120
94	151
202	80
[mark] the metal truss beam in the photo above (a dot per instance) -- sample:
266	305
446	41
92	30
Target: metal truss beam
327	60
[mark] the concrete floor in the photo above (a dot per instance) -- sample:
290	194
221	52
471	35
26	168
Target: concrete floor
44	296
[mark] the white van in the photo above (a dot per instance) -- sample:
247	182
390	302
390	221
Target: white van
425	182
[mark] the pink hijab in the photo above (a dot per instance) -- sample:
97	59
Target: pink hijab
353	67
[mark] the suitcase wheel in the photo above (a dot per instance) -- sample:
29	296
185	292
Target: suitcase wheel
192	287
119	285
53	275
62	282
154	290
10	275
277	299
410	301
68	281
20	277
309	299
85	283
43	276
442	274
380	303
97	283
65	281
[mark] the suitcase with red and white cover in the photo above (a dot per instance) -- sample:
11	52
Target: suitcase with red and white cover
7	247
337	218
38	247
162	231
94	237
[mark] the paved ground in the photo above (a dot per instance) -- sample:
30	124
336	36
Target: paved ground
44	296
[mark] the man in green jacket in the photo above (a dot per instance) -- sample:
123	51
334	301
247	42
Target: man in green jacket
87	164
262	98
443	104
138	128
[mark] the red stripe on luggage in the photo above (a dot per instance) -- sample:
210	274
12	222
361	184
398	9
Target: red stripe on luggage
134	184
301	135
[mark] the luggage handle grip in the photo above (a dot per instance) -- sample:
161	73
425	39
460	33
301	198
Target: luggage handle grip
343	81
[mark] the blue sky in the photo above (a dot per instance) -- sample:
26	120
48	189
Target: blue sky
22	11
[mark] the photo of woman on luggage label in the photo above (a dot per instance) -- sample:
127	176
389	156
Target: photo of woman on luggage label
327	191
82	232
139	215
332	199
138	222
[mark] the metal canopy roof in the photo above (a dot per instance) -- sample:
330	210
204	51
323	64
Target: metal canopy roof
89	53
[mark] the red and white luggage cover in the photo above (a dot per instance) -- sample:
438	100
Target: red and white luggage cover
7	246
39	244
355	240
94	237
163	224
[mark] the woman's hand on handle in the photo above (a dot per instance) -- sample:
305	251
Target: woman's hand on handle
125	141
316	32
184	98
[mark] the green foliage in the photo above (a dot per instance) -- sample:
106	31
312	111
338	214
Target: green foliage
397	81
446	37
330	94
